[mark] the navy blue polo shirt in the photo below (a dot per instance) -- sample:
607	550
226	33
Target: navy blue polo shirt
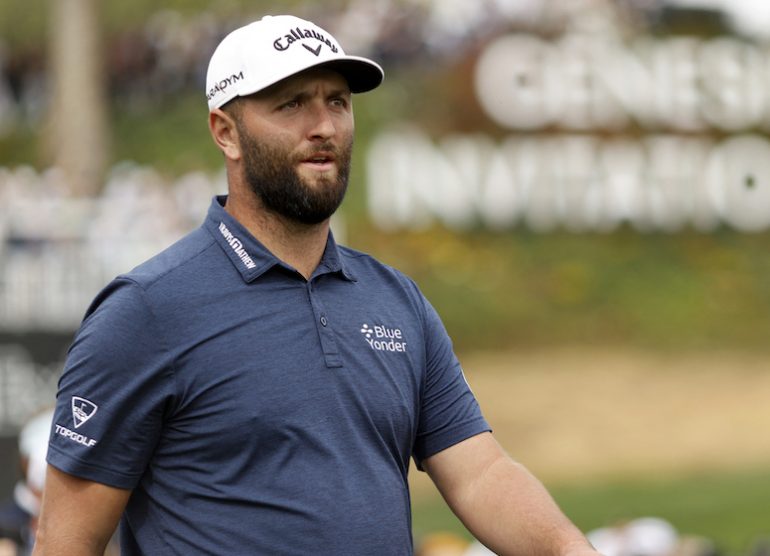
252	411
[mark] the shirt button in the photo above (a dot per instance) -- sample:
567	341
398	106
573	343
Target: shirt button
324	322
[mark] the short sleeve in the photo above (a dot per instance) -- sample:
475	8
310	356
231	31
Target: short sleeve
113	391
449	412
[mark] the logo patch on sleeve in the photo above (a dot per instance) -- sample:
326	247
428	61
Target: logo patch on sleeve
82	410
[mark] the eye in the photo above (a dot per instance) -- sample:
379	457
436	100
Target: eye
290	105
339	102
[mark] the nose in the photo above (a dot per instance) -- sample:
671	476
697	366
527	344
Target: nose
321	123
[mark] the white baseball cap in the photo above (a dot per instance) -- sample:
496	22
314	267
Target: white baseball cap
264	52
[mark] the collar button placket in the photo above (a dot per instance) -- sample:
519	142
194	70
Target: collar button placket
323	326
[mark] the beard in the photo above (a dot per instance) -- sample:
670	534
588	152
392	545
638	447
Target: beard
271	175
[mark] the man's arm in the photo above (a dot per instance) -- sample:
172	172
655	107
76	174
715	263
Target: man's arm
502	503
77	516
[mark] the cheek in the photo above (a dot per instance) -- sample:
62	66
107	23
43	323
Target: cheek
347	124
344	133
280	143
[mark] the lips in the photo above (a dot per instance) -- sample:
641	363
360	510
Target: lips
320	161
323	157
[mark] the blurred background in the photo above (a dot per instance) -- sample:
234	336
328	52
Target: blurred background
581	188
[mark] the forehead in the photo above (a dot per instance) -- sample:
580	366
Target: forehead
307	79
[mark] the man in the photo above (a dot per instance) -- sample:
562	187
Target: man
258	389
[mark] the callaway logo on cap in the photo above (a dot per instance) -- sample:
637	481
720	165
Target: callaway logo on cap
264	52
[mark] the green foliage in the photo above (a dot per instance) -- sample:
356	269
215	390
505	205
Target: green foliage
23	23
172	137
20	148
519	289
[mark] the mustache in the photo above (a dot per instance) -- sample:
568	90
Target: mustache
340	152
326	148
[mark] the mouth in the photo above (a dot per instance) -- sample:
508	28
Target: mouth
320	161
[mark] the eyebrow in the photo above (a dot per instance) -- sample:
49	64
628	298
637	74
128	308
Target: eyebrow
298	90
305	92
343	91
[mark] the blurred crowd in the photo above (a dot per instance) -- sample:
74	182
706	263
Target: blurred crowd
58	251
170	51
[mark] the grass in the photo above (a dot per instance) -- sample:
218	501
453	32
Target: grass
731	509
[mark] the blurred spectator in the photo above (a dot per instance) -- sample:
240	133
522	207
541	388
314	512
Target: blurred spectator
648	536
7	103
23	76
18	514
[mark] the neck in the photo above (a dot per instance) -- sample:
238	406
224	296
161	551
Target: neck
299	245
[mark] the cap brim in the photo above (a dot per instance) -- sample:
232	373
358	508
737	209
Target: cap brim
361	74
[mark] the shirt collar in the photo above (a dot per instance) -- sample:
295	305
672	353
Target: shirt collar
250	257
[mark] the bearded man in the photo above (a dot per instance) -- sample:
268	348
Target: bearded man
257	388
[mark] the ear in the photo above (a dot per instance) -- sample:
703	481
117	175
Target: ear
225	133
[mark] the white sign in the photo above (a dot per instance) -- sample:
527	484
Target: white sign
577	182
585	83
659	134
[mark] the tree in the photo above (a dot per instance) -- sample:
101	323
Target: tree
77	132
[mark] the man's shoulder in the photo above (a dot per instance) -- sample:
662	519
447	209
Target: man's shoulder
159	281
181	255
359	261
367	268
